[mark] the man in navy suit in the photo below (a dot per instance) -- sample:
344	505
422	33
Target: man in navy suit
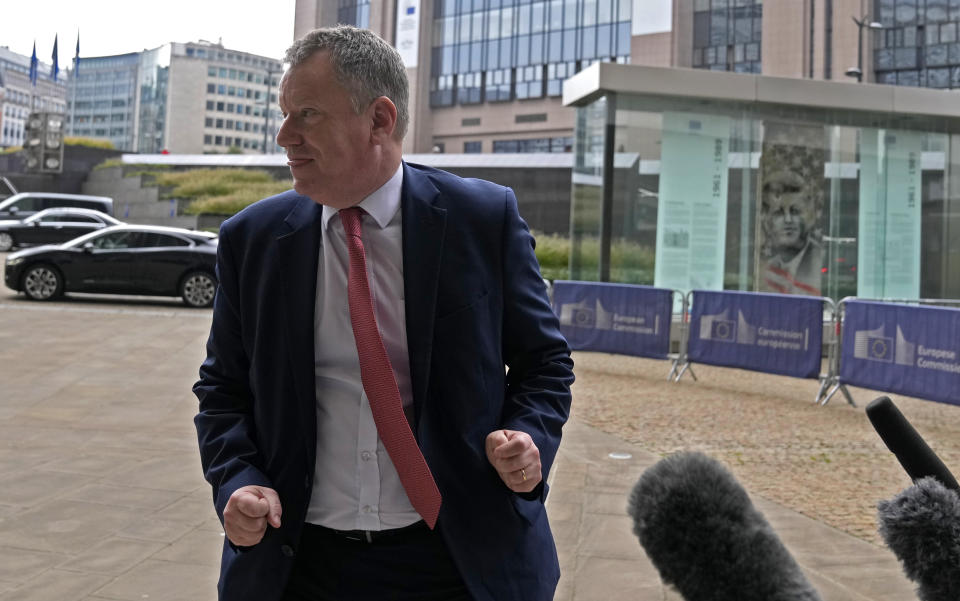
314	504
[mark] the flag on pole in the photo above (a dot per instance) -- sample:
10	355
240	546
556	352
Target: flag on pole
33	65
76	56
55	69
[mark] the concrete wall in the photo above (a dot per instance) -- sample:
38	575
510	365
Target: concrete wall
77	163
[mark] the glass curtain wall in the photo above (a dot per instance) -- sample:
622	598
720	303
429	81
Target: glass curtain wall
706	194
727	35
503	50
919	44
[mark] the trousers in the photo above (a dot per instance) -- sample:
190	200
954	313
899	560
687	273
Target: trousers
412	564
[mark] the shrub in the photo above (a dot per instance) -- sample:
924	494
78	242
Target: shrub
233	201
202	183
88	142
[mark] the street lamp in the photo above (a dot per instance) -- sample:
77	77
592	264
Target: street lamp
861	23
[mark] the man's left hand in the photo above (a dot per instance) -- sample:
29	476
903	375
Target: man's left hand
516	459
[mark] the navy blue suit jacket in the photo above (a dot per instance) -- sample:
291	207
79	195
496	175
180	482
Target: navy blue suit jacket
475	303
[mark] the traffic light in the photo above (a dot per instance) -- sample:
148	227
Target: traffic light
43	143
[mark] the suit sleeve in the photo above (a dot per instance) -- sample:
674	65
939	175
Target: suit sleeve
540	370
225	422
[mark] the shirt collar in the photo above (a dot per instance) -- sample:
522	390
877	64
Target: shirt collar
382	204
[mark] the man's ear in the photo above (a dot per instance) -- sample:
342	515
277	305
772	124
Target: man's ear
384	115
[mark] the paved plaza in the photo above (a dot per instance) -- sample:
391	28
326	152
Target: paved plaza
102	498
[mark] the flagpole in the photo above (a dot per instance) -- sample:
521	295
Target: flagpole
75	80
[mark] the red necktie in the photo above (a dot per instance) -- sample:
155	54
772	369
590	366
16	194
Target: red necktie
379	383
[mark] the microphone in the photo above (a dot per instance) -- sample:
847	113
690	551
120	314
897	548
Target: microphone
903	441
705	537
921	525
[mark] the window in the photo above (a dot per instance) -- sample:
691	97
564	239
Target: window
472	147
211	89
116	240
151	240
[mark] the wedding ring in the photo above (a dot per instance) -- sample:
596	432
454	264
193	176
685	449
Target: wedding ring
523	474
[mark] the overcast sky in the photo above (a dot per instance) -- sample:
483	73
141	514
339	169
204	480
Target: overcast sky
264	27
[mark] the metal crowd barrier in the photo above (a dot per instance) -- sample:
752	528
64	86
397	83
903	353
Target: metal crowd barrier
906	346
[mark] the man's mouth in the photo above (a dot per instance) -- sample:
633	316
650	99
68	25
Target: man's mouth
297	162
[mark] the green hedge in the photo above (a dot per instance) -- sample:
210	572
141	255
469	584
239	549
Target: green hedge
629	261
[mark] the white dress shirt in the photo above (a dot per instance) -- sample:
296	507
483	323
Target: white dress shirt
356	486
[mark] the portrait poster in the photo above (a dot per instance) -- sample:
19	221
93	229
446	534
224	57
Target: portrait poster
790	249
888	237
692	214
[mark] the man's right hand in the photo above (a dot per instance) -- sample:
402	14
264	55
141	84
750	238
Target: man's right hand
249	509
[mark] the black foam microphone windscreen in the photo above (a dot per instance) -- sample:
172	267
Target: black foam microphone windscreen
903	441
706	538
921	525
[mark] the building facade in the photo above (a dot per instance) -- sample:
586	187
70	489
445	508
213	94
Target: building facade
486	75
19	97
684	179
185	98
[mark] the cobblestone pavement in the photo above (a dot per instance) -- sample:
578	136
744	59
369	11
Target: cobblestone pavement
824	462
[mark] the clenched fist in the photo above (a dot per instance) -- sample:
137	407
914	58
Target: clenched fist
516	458
248	512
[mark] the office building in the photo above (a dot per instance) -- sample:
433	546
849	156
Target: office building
19	97
486	75
185	98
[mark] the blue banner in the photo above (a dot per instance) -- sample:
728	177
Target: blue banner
614	318
905	349
775	333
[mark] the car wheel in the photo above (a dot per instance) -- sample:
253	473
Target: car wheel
42	282
198	289
6	242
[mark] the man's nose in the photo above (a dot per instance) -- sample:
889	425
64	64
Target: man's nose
287	135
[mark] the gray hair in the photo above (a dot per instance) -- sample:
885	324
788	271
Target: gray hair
366	65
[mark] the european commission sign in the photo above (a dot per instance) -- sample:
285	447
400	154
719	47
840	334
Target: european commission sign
905	349
775	333
614	318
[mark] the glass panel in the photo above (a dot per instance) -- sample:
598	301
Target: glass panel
718	29
884	59
587	191
605	11
538	10
936	55
589	12
948	32
905	58
905	12
938	78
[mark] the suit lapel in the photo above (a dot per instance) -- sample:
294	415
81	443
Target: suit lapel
298	253
423	231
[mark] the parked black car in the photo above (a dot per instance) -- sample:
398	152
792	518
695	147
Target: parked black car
121	259
24	204
52	226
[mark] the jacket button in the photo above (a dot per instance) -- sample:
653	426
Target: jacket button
287	550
